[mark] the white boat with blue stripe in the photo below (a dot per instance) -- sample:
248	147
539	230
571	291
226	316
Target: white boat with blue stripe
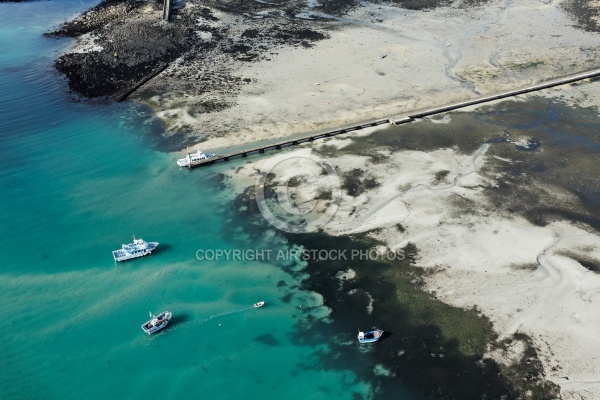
369	337
138	248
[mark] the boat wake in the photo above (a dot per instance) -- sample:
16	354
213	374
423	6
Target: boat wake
223	314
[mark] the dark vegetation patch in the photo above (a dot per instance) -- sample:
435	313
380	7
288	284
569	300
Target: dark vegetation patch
585	13
425	337
464	134
425	5
440	176
296	181
236	48
587	262
295	35
463	205
422	4
356	182
337	7
527	373
559	179
524	267
213	106
250	33
267	339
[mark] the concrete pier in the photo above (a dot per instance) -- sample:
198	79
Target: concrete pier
399	120
168	5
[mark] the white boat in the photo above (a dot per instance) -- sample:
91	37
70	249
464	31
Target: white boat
259	304
156	323
369	337
138	248
194	157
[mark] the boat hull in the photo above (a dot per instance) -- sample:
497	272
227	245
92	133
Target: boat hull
193	158
370	337
124	255
152	326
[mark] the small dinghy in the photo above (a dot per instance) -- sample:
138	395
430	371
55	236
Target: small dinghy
369	337
259	304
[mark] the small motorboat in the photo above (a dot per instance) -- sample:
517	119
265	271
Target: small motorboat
259	304
156	323
369	337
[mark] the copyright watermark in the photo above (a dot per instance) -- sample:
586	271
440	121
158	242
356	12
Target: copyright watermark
299	255
298	193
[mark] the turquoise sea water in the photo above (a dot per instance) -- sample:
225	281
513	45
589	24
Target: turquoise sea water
76	181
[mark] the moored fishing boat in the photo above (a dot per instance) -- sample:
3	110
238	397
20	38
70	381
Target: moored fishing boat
138	248
155	323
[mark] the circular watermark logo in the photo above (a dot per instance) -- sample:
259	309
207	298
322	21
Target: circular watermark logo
298	193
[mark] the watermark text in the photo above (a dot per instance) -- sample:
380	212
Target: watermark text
299	255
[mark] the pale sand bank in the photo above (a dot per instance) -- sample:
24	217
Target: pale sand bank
431	58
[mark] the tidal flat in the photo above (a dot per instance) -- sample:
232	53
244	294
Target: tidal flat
496	210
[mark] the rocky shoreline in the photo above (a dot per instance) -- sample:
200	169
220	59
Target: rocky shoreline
123	42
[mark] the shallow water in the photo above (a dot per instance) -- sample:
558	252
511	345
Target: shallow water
76	181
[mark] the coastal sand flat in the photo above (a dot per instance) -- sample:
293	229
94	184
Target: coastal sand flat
431	58
526	278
